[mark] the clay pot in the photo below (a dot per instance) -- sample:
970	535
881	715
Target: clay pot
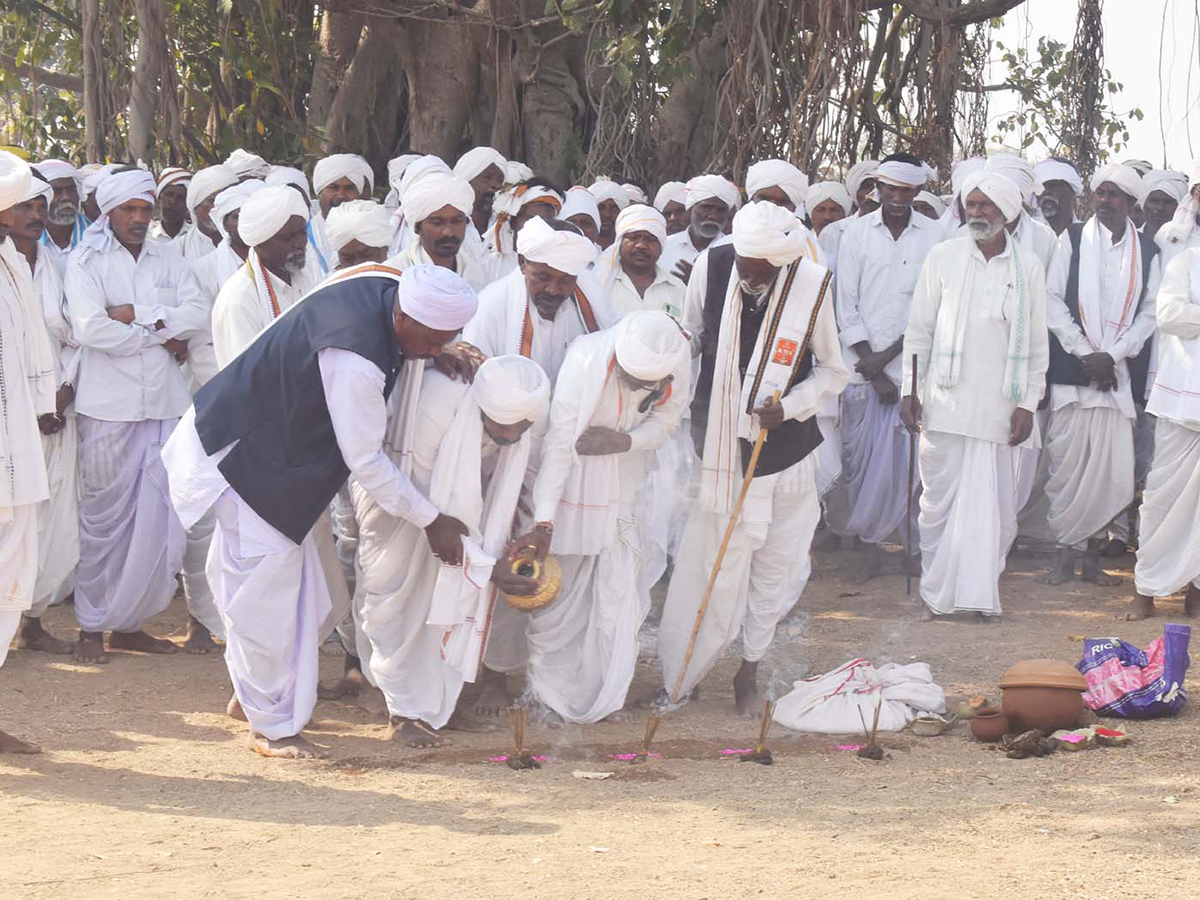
1042	693
989	726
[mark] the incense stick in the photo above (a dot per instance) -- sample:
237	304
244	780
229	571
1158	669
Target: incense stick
647	738
768	712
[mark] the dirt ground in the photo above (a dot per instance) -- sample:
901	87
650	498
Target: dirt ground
146	789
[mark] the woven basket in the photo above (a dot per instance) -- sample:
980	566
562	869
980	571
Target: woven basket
548	574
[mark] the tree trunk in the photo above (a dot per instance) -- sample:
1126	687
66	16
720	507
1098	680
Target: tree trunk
143	96
93	81
552	105
687	120
441	61
366	112
340	36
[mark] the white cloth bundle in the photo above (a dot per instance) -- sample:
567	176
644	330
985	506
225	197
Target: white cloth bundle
267	210
838	702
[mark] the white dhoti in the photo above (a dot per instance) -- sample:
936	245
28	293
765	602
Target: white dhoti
1168	557
201	604
1091	471
874	466
273	598
10	621
18	564
968	521
58	519
765	570
1033	471
1143	455
829	453
131	540
583	647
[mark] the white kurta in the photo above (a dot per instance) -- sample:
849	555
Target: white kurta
466	264
242	309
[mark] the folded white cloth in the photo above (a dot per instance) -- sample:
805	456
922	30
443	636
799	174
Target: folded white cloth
838	702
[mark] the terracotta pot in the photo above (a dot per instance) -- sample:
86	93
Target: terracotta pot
1042	693
989	726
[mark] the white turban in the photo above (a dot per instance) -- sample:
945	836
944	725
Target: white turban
121	187
396	167
1016	169
672	191
1124	176
232	199
91	181
565	251
512	389
829	190
1055	170
933	200
243	163
1173	184
436	297
38	188
172	175
777	173
267	211
343	165
516	172
420	168
1141	166
649	345
963	169
706	187
513	200
763	230
54	169
606	189
289	175
904	174
635	193
14	179
364	221
429	194
996	187
640	217
860	172
580	202
207	182
473	163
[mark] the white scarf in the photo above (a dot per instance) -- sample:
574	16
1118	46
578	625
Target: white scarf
518	310
1126	291
39	356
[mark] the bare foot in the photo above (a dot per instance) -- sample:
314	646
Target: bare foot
10	744
872	564
1092	571
1063	570
234	710
1191	602
494	698
140	642
350	685
415	734
90	648
33	636
199	639
464	720
745	690
1141	607
294	747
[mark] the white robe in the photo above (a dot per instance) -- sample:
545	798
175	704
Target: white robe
1168	556
244	306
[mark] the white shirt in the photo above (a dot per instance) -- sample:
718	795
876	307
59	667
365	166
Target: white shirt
239	313
876	275
125	373
664	293
466	264
679	248
1176	393
976	406
213	270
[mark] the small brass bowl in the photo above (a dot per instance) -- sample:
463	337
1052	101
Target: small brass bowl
547	574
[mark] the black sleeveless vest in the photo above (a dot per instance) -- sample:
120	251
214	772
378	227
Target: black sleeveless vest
271	400
791	441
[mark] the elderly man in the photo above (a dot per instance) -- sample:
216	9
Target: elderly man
336	179
58	517
827	202
860	185
619	396
273	223
312	389
1061	187
438	206
483	169
611	198
711	200
65	223
172	222
359	232
427	623
879	259
1162	192
27	373
213	270
1097	308
671	201
134	307
514	208
629	270
204	236
1168	556
762	317
581	210
978	332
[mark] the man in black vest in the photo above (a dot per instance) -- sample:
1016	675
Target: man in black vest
761	317
1099	319
269	441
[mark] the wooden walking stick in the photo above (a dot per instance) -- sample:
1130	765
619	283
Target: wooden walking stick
912	473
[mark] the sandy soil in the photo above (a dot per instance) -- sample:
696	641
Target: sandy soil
147	790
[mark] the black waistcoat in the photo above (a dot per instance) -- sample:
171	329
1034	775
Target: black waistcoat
271	400
791	441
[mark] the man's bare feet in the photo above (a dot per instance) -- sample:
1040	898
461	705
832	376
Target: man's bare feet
234	710
199	639
32	636
1141	607
11	744
1092	571
350	685
745	690
140	642
415	734
1191	602
464	720
872	563
294	747
494	698
90	648
1063	569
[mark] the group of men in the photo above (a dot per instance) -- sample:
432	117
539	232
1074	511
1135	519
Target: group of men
336	419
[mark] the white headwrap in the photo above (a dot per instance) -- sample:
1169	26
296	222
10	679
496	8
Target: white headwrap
562	250
511	201
343	165
1124	176
396	167
1054	170
172	175
998	188
267	210
420	168
38	188
705	187
231	199
649	345
516	172
14	180
54	169
904	174
244	163
1180	228
91	181
672	191
637	217
289	175
207	182
115	189
1173	184
1141	166
580	202
860	172
777	173
512	389
763	230
933	200
364	221
431	193
436	297
635	193
607	189
473	163
828	190
1016	169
